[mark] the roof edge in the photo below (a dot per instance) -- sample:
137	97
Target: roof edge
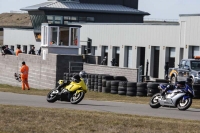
181	15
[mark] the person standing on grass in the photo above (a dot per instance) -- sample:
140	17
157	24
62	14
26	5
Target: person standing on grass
24	75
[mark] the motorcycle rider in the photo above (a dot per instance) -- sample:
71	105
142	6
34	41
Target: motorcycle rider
178	85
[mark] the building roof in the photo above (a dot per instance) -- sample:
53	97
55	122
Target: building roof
181	15
84	7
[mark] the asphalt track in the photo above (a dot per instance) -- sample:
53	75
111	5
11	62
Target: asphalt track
102	106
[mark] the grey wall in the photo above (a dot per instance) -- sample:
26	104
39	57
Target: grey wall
130	74
43	74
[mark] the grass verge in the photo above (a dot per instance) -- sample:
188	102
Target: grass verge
21	119
90	96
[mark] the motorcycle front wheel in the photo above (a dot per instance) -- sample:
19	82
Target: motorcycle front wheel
77	98
184	104
52	96
154	103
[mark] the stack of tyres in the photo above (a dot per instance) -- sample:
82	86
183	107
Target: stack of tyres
196	88
141	89
152	88
114	86
120	78
122	88
100	83
92	81
66	76
89	81
96	83
106	83
131	88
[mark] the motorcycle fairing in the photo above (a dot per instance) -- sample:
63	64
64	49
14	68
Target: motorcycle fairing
171	99
77	87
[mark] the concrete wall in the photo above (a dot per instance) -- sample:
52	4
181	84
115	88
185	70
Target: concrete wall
43	74
130	74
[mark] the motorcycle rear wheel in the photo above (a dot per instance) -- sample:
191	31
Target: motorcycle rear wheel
78	97
154	103
184	105
52	96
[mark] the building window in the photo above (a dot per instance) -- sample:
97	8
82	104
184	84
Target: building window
58	20
90	19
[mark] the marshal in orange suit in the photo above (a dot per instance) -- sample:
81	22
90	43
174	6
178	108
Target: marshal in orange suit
24	75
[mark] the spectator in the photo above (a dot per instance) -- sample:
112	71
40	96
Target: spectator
39	51
24	75
6	51
32	51
18	50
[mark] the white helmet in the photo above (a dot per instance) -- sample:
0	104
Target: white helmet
82	74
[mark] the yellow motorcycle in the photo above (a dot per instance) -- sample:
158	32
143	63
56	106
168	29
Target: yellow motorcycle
72	91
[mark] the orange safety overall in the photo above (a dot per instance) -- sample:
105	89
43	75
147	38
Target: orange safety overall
24	76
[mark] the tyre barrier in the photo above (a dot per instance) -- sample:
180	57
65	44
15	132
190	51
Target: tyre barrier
122	88
131	88
107	89
196	88
121	78
114	86
141	89
152	88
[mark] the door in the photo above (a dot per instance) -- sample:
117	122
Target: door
156	62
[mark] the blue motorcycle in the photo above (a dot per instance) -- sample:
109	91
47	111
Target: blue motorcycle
180	98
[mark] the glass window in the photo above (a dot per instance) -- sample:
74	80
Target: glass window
73	18
66	17
74	36
90	19
195	65
187	63
50	18
83	19
182	64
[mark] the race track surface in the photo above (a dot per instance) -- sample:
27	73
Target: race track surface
102	106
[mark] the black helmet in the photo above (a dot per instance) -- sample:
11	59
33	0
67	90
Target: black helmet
189	80
82	74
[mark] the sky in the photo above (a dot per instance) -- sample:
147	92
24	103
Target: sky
159	9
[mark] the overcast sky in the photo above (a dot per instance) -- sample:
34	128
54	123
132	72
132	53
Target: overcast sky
159	9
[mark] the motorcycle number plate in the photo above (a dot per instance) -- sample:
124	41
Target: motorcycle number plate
69	87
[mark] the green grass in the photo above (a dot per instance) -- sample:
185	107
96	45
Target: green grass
22	119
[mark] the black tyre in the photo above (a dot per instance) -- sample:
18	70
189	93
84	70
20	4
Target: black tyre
122	92
108	84
106	90
141	84
152	85
184	104
99	88
115	83
77	98
122	84
154	103
131	84
142	89
131	89
114	92
141	94
122	88
121	78
108	77
104	83
129	93
52	96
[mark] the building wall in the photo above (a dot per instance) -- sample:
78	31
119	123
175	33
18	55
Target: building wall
130	74
135	35
190	32
21	37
